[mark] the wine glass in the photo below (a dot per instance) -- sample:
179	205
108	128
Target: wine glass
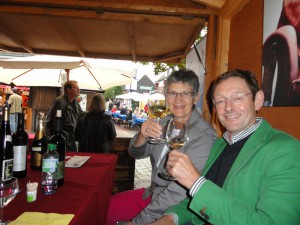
8	191
157	109
176	136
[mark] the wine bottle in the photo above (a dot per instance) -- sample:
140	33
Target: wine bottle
20	144
39	145
58	139
6	147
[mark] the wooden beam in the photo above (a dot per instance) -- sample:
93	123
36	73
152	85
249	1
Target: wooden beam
223	45
14	38
212	3
192	40
232	7
210	64
132	41
67	34
170	57
154	7
170	9
110	16
212	69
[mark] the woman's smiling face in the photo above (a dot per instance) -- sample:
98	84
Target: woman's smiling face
181	106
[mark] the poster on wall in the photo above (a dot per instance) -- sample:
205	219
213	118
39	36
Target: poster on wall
281	49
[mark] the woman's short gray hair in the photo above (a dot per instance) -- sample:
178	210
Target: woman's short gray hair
185	76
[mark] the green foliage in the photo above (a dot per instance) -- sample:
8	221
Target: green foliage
162	67
112	92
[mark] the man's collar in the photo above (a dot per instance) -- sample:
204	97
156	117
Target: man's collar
239	136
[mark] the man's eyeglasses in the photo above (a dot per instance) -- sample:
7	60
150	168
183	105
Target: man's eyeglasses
235	99
184	94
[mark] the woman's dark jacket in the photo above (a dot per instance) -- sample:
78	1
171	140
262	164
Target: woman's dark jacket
94	131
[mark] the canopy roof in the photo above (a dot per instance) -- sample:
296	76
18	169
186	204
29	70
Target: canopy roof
136	30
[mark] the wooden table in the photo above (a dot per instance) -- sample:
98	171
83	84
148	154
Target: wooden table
85	193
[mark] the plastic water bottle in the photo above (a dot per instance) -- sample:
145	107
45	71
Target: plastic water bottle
50	170
60	142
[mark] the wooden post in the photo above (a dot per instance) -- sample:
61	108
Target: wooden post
68	73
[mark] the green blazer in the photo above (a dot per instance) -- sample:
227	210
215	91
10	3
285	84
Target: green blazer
262	187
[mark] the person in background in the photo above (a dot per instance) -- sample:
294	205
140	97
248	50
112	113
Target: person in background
129	114
146	108
129	117
144	206
109	105
136	112
114	109
143	115
15	104
123	109
70	108
252	175
95	129
25	100
117	103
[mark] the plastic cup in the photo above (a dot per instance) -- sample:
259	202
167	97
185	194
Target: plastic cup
31	191
31	196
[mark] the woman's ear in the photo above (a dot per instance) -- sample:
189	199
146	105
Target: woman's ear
259	99
197	98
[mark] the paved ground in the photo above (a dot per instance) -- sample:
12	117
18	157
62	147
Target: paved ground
142	166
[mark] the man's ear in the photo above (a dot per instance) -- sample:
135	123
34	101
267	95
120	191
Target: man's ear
259	99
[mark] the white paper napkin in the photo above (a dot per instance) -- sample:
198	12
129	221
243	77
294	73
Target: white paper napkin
76	161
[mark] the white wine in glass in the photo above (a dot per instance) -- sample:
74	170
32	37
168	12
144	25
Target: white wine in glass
157	110
176	138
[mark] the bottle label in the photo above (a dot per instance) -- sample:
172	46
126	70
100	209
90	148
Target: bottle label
36	149
61	169
8	138
36	159
20	158
50	165
7	169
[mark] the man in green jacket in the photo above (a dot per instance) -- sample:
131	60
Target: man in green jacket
252	176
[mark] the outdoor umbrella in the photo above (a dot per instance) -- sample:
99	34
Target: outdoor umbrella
52	71
135	96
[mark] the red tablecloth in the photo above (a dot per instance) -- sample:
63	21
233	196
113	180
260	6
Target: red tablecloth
85	193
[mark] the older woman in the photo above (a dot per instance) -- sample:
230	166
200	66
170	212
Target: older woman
143	206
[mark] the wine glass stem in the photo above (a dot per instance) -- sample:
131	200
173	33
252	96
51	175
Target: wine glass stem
1	217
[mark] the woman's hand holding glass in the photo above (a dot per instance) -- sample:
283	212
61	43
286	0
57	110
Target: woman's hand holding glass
157	110
151	129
